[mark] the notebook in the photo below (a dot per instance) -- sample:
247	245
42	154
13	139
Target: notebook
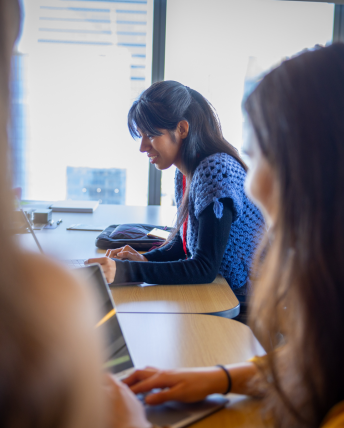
86	227
75	206
119	362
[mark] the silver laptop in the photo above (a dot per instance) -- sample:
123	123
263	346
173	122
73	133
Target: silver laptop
75	263
118	360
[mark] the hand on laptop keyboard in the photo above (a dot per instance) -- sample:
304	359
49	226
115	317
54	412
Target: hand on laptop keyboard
185	385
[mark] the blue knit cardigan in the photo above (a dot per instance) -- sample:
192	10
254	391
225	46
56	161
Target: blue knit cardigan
221	176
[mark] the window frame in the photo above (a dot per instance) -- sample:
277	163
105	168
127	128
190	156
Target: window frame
158	74
338	26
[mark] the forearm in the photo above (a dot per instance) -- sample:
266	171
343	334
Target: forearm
241	376
192	271
169	252
202	268
191	385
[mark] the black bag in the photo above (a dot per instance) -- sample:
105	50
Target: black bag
134	234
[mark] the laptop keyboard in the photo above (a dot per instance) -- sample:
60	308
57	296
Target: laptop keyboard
75	263
163	415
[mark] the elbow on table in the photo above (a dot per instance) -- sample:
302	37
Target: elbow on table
210	276
205	270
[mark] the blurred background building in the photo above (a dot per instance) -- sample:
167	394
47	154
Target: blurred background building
105	185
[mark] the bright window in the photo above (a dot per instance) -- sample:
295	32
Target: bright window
78	67
222	48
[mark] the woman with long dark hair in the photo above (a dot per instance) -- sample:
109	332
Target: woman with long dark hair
296	176
217	228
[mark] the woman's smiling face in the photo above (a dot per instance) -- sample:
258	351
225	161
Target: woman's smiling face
164	150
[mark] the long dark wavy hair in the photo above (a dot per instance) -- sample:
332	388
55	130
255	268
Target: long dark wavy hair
297	113
161	107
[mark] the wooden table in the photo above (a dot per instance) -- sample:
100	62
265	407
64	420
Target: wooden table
216	298
174	341
240	412
166	340
187	340
73	244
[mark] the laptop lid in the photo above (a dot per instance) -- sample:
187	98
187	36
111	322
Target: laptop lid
117	353
28	225
22	225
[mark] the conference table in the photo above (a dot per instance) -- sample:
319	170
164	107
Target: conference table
170	341
165	326
216	298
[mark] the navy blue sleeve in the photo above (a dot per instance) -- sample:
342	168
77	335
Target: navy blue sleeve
169	252
202	268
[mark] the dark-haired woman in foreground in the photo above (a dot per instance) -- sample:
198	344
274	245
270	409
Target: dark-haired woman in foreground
297	310
217	228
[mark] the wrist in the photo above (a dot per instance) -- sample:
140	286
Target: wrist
217	381
226	383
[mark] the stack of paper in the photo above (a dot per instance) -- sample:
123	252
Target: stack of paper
75	206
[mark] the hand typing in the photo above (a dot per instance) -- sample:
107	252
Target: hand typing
186	385
126	253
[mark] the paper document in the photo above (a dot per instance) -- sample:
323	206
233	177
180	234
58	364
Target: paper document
89	227
75	206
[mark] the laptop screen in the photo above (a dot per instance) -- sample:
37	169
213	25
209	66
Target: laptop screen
116	351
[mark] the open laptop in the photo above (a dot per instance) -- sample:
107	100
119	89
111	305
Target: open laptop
75	263
118	360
